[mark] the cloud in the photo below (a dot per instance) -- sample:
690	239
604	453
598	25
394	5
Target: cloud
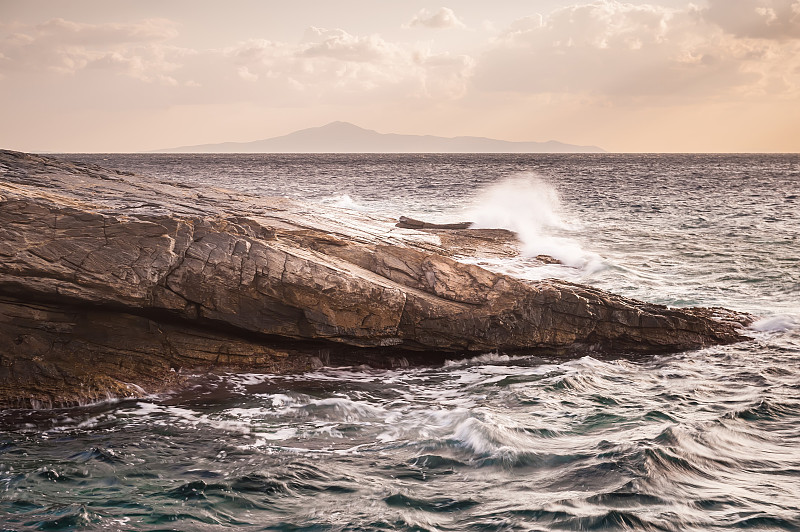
331	64
339	45
441	19
245	74
326	65
625	53
445	75
761	19
73	33
138	50
606	52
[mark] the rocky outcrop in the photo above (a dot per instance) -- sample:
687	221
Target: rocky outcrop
111	283
412	223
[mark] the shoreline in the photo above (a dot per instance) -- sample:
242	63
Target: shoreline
107	278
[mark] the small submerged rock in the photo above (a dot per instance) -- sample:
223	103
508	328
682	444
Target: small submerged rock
113	285
547	259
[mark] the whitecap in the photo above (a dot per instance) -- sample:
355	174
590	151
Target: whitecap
284	433
486	358
530	207
775	324
344	201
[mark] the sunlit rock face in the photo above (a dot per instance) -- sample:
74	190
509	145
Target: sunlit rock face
113	284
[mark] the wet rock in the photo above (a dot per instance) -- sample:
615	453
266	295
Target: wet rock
112	284
547	259
411	223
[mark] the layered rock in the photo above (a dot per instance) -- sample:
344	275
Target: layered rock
111	283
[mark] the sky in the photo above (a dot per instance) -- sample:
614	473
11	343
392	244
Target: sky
636	76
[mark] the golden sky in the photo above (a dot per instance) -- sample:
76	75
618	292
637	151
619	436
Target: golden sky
638	76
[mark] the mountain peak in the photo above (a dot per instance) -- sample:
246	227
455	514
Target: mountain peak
339	125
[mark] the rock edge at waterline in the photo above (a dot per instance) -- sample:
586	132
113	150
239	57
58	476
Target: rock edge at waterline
112	284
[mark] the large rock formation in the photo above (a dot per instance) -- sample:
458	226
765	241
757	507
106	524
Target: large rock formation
111	283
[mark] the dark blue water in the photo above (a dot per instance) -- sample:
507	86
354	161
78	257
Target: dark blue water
701	440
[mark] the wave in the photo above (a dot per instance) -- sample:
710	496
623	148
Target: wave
529	206
344	201
486	358
775	324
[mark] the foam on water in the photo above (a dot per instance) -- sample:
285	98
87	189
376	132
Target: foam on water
776	324
529	206
465	439
486	358
344	201
698	441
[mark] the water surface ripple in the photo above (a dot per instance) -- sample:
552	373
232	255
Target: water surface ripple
701	440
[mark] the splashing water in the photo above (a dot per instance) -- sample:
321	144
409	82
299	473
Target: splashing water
777	323
525	204
343	201
529	206
699	441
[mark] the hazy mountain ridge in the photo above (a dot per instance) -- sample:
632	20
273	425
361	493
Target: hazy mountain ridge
343	137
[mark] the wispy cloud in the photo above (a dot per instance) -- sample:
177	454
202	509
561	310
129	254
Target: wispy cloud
441	19
607	59
760	19
139	50
625	53
330	61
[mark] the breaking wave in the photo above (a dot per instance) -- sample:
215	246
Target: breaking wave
343	201
776	324
695	441
530	207
494	442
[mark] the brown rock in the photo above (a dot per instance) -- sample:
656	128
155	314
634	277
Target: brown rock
111	284
410	223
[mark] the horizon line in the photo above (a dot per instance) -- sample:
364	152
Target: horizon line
606	152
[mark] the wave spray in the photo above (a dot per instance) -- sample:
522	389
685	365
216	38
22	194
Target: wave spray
529	206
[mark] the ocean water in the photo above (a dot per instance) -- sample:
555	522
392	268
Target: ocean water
699	440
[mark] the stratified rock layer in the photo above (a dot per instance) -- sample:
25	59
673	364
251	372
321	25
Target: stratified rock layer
111	283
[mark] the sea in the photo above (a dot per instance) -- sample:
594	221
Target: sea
701	440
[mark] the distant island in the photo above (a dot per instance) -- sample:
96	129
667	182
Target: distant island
343	137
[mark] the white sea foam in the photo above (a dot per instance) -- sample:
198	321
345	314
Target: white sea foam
775	324
492	435
486	358
284	433
530	207
280	400
344	201
169	415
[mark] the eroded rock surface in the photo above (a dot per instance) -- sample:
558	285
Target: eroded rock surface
411	223
112	283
